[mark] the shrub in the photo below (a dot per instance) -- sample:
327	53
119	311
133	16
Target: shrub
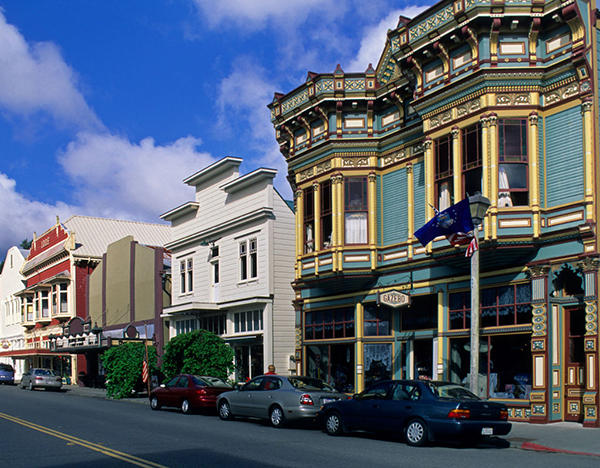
199	352
123	365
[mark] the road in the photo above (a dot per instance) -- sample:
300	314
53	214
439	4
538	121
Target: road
50	429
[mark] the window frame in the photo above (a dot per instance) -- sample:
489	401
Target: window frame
308	222
362	208
470	165
443	174
510	158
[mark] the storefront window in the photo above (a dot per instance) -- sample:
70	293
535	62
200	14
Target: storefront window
421	314
502	306
378	362
378	320
327	324
505	365
334	364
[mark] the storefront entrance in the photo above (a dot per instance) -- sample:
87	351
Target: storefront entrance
575	361
249	361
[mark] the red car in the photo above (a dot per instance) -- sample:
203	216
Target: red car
189	392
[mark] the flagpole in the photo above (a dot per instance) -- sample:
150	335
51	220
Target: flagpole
147	363
474	374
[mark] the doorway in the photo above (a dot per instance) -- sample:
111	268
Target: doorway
574	363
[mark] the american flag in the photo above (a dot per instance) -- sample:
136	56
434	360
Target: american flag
473	246
145	371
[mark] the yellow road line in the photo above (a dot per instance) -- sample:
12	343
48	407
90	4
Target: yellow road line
84	443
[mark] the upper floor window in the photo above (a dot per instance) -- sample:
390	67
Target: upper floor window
513	180
248	321
326	215
443	172
59	298
249	259
471	160
309	220
355	210
185	326
186	277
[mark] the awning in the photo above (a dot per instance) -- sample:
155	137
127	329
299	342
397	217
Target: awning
25	353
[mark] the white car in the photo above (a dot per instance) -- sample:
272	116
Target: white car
277	398
41	378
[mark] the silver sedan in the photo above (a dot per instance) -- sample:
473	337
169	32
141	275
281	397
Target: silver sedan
277	398
41	378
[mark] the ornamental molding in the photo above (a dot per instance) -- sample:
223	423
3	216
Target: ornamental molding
513	99
591	318
560	94
355	162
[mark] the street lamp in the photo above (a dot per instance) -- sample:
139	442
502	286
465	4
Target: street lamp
478	205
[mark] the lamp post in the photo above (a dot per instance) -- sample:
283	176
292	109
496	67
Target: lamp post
478	205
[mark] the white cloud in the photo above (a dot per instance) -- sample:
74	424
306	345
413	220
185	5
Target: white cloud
253	14
116	178
35	79
242	113
22	216
375	38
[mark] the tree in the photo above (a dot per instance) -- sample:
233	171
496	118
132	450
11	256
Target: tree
123	366
199	352
25	244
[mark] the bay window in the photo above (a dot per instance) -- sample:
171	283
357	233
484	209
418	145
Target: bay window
443	172
326	215
513	183
355	210
309	220
471	160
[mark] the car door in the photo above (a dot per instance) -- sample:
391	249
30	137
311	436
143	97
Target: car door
399	405
169	394
366	409
265	396
242	402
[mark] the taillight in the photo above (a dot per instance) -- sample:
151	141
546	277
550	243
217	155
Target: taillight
39	378
503	415
201	391
305	399
459	413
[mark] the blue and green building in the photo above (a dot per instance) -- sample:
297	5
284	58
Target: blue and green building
491	96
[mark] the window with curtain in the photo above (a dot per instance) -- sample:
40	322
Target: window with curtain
326	215
471	160
513	181
309	220
443	172
355	210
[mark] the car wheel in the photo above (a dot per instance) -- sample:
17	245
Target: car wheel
277	417
185	407
416	433
154	404
30	385
225	411
334	424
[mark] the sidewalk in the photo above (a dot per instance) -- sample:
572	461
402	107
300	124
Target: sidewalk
556	437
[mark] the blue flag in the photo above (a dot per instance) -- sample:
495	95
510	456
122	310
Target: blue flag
453	220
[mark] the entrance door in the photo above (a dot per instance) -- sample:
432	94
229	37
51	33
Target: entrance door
215	296
574	363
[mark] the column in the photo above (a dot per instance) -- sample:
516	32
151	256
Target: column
299	236
317	225
372	224
493	172
429	182
534	179
456	165
540	393
590	397
337	200
360	354
588	161
411	208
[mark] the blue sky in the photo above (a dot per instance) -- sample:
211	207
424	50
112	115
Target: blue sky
107	105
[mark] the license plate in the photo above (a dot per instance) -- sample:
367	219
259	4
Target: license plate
327	400
487	431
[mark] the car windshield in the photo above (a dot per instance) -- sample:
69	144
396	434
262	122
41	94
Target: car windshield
308	383
450	390
209	381
44	372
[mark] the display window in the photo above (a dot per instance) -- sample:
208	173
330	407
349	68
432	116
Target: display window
335	364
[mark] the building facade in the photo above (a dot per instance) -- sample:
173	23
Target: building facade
57	273
11	330
470	96
233	257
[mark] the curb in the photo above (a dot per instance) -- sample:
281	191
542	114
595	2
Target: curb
541	448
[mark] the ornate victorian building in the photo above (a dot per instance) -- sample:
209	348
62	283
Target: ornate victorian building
471	96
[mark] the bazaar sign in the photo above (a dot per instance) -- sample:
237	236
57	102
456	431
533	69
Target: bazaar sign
393	298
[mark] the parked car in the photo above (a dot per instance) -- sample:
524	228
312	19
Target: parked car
7	374
424	410
189	392
41	378
277	398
